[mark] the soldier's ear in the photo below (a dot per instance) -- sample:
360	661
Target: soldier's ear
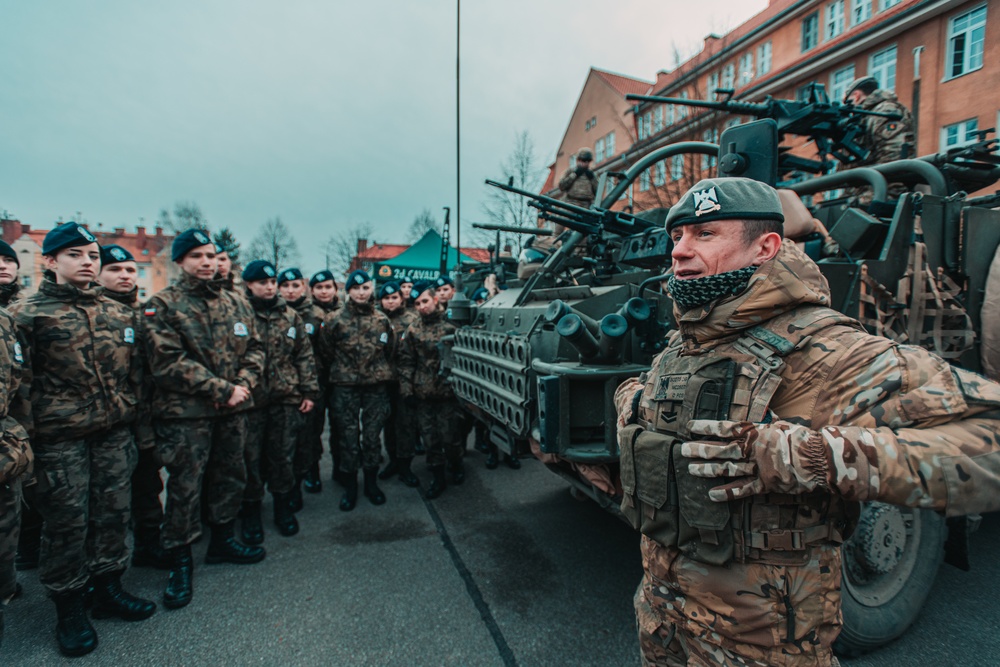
767	246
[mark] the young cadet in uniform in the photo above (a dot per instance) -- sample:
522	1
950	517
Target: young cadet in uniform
281	400
822	416
224	267
358	342
15	457
405	286
205	359
292	287
400	429
444	287
86	375
118	277
9	266
323	289
441	422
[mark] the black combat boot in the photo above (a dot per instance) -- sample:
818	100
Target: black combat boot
147	551
223	548
438	484
75	634
251	528
350	497
29	542
178	591
110	599
295	496
284	517
372	492
491	458
456	472
311	482
406	475
512	461
390	469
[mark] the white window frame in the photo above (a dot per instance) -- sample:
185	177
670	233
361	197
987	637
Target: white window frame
660	173
861	11
835	19
671	115
810	32
764	58
963	131
746	68
884	72
609	144
713	83
677	167
599	151
886	4
657	119
840	81
572	161
712	137
971	59
682	111
644	180
729	76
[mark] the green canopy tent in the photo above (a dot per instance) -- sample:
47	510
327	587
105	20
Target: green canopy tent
421	261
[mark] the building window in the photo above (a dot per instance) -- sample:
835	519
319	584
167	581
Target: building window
676	167
886	4
728	76
713	83
599	151
746	68
840	81
965	42
609	144
834	18
682	111
882	66
142	293
142	272
657	119
644	180
712	137
670	115
659	173
572	161
861	11
591	123
764	58
810	31
959	134
26	280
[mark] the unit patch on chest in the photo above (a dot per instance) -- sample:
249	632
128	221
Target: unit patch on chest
671	387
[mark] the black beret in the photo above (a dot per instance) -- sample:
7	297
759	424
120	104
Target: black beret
289	274
420	287
356	278
406	280
321	277
387	289
443	280
7	251
188	241
259	269
481	293
66	235
726	199
115	254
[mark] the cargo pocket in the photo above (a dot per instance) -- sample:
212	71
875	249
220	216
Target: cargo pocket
646	483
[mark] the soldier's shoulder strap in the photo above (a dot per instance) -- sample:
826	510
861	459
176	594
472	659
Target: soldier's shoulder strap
776	338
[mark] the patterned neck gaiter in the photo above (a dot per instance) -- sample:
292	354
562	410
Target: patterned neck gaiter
688	294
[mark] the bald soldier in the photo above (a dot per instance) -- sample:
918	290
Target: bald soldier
768	418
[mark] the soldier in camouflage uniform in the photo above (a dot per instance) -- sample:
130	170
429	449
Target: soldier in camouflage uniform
281	400
292	287
441	421
323	289
400	429
358	342
9	266
85	367
578	184
15	457
886	139
205	359
743	567
118	277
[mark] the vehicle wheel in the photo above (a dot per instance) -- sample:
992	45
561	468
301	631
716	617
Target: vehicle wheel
889	566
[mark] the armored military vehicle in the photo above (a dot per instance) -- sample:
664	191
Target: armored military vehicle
540	362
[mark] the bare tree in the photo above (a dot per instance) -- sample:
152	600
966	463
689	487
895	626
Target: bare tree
521	169
422	224
187	215
343	247
275	243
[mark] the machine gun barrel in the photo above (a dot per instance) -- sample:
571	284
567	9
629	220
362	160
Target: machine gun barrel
537	231
760	109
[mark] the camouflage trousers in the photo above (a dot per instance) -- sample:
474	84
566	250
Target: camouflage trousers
745	614
401	428
274	432
359	413
309	449
10	526
84	495
443	427
147	485
196	452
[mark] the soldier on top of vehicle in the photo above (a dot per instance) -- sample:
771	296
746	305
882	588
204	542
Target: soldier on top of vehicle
768	474
886	139
578	185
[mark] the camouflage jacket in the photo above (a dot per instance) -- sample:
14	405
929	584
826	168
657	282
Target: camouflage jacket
882	136
321	311
579	189
8	293
401	319
145	438
888	422
420	358
84	360
357	343
129	299
312	316
15	454
201	343
289	367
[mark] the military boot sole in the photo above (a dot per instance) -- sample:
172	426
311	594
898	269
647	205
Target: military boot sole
176	603
77	651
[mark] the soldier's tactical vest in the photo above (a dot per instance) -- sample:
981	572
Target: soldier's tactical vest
735	381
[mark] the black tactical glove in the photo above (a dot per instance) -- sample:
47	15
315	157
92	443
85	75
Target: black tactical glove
581	170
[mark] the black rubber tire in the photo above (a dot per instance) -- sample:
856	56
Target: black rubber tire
868	627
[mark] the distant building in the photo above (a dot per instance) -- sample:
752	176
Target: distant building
151	252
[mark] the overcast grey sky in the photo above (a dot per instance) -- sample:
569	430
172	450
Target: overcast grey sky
327	113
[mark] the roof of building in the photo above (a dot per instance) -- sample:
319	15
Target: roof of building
624	85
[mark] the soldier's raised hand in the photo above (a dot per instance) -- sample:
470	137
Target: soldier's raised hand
779	457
